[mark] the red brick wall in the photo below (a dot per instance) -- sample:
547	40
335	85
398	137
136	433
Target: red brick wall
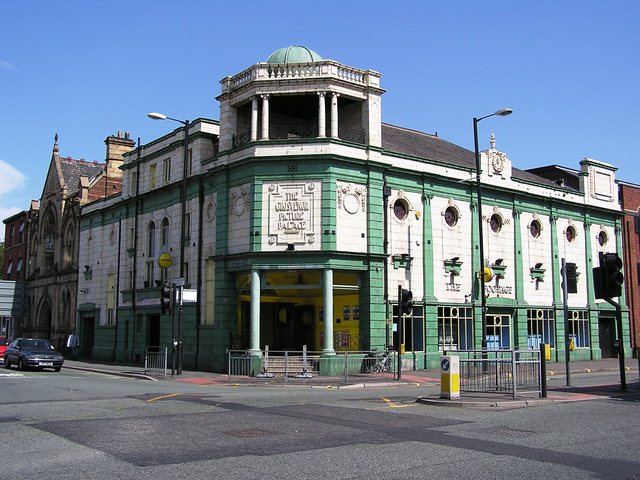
15	248
98	191
630	199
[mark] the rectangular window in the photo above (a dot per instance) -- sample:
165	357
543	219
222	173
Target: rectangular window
190	160
133	188
455	328
152	175
187	227
186	272
498	332
540	328
166	169
413	334
111	298
19	265
21	232
131	278
132	237
578	328
209	307
150	273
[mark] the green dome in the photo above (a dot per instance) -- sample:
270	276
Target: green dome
294	54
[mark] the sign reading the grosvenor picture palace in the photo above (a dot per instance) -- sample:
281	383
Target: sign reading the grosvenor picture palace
293	210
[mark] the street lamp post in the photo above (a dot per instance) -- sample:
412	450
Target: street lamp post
483	299
183	200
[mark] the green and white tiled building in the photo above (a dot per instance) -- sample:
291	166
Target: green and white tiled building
304	214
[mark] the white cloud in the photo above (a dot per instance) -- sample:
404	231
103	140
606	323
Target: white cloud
6	65
10	178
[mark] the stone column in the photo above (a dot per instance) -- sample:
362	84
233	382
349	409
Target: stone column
255	313
254	119
334	114
322	115
327	291
265	117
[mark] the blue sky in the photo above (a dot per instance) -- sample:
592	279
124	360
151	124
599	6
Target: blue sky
86	69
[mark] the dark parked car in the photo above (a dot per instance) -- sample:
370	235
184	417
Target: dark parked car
32	353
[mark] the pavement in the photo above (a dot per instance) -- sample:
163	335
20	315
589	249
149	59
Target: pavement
418	378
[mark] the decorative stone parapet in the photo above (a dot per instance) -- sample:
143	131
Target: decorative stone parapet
326	68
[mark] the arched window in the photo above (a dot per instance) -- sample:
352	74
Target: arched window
151	239
69	243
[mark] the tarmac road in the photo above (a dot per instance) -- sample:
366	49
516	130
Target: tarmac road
85	425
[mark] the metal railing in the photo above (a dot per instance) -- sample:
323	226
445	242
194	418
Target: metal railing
514	372
155	361
291	366
292	132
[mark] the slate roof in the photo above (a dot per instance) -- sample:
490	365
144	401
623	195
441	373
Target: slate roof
431	147
73	169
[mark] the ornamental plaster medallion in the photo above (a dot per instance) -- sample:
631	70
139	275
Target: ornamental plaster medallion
210	211
352	198
238	202
497	161
351	203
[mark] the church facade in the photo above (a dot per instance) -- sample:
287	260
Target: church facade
299	216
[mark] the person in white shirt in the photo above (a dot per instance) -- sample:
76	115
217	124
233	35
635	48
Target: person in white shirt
73	343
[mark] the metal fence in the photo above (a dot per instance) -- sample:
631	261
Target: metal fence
514	372
304	366
155	361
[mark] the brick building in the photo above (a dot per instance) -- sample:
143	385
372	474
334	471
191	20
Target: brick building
630	201
16	238
52	267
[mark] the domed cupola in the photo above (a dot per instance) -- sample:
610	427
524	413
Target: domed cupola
294	54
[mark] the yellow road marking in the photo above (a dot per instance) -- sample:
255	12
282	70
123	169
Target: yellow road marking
163	396
391	404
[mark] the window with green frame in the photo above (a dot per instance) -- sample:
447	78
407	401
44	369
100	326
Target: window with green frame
540	327
413	329
578	328
455	328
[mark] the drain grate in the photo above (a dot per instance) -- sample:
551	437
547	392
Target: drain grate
248	433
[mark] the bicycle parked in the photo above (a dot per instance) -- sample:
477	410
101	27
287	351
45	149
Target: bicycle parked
378	362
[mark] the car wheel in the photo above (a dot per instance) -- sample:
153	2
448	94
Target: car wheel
6	363
21	365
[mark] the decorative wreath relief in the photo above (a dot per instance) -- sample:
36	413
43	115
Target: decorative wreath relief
238	203
352	199
210	211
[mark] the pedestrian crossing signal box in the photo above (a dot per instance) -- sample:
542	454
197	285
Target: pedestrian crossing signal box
449	377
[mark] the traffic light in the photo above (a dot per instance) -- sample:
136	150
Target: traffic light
608	277
571	272
406	302
165	299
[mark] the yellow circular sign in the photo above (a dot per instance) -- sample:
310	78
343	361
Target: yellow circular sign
165	260
487	273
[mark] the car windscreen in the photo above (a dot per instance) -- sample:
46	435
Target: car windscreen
36	343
